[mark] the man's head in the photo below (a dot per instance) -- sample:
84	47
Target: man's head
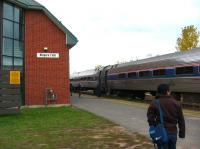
163	89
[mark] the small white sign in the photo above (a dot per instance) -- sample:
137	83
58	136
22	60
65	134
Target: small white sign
47	55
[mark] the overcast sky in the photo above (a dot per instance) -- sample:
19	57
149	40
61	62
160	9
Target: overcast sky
122	30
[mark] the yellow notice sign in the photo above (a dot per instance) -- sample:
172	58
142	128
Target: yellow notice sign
15	77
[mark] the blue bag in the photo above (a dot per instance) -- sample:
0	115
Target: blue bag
158	133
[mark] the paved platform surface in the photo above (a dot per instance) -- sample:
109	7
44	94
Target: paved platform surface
132	116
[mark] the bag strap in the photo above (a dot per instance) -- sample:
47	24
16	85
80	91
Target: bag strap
160	111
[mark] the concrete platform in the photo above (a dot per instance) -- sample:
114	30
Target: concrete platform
132	116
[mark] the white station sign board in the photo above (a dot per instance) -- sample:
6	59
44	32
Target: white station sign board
47	55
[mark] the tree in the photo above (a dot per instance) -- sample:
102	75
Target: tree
98	67
189	38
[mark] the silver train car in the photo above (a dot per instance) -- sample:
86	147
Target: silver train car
87	79
181	70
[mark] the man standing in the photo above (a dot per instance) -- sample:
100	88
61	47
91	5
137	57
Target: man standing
71	88
79	90
172	115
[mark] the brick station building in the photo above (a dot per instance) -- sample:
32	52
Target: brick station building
33	41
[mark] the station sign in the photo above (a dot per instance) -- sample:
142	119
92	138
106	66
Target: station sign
15	77
47	55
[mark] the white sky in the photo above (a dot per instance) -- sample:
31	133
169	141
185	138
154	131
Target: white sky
122	30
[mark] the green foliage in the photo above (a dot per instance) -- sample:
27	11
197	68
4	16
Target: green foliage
189	38
98	67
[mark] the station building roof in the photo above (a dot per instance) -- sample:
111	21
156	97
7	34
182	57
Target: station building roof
32	4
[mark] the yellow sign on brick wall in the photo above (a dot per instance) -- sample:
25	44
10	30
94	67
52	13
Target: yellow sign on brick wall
15	77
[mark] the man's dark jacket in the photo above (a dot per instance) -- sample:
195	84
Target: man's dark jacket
172	115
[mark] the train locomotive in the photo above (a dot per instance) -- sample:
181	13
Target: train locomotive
181	70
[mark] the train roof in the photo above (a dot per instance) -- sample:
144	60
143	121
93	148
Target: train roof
90	72
188	56
167	60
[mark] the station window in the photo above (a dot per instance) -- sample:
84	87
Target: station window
12	36
122	75
159	72
132	75
184	70
144	73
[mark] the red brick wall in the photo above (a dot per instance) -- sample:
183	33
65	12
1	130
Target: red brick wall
42	73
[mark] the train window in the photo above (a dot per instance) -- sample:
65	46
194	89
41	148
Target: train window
159	72
132	75
122	75
144	73
184	70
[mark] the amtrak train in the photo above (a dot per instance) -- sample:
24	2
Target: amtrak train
181	70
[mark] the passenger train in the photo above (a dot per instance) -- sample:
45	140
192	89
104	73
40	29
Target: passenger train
181	70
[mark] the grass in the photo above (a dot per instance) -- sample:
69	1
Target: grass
64	128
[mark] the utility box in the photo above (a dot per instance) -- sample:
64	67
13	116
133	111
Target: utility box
50	96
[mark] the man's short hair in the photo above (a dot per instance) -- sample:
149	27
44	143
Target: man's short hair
163	89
